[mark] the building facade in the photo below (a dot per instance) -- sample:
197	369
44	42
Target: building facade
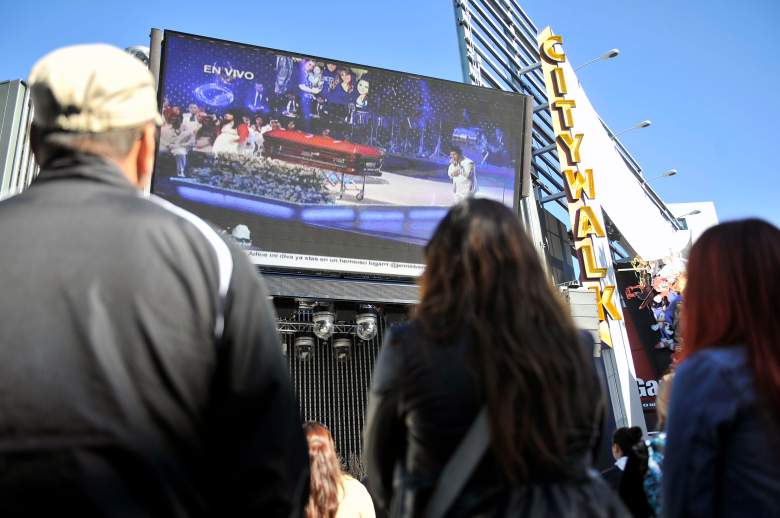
17	164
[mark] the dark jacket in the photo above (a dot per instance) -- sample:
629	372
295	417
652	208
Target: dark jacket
423	399
631	488
612	476
140	369
629	484
720	458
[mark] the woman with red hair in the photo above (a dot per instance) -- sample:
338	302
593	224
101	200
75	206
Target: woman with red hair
723	433
332	493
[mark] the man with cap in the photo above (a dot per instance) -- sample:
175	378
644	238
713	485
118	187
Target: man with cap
141	373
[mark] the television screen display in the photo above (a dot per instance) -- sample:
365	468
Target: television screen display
315	164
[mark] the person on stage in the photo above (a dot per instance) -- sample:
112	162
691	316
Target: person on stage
463	174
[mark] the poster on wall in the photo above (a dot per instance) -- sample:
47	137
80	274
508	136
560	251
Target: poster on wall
651	293
313	163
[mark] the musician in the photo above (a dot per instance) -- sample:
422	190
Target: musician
258	100
292	106
463	174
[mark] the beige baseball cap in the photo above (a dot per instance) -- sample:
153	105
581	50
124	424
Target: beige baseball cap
92	89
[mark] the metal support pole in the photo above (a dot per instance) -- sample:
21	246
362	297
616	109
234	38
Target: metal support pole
529	68
545	149
155	54
552	197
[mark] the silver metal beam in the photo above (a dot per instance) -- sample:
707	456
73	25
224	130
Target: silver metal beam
552	197
545	149
155	53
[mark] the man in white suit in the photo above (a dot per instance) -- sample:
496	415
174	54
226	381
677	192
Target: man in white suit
463	174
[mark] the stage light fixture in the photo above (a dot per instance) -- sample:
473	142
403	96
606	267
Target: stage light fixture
323	319
366	321
304	347
286	332
342	348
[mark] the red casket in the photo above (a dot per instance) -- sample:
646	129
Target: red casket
336	155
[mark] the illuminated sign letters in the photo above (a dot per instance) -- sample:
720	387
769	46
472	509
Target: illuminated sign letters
584	211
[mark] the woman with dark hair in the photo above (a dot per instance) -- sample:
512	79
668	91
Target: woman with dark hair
489	331
627	475
344	93
722	446
332	493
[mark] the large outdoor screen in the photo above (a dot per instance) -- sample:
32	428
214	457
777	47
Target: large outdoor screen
315	164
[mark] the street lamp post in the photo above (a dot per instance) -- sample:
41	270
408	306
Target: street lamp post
667	174
607	55
529	68
683	218
643	124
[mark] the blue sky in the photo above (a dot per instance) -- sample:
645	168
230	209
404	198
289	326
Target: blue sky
705	72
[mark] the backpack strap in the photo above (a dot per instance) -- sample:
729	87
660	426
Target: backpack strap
460	466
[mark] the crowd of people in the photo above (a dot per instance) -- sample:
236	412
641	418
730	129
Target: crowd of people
230	132
141	372
199	131
325	100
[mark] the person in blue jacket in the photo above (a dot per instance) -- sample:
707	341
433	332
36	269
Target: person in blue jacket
723	434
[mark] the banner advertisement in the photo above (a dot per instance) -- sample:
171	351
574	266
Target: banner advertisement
652	300
317	164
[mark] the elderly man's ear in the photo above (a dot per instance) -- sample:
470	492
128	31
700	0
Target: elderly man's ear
144	156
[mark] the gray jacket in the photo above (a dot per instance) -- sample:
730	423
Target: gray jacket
140	369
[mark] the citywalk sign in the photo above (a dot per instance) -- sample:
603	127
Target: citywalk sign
585	212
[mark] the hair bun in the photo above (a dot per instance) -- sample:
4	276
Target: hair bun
635	433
